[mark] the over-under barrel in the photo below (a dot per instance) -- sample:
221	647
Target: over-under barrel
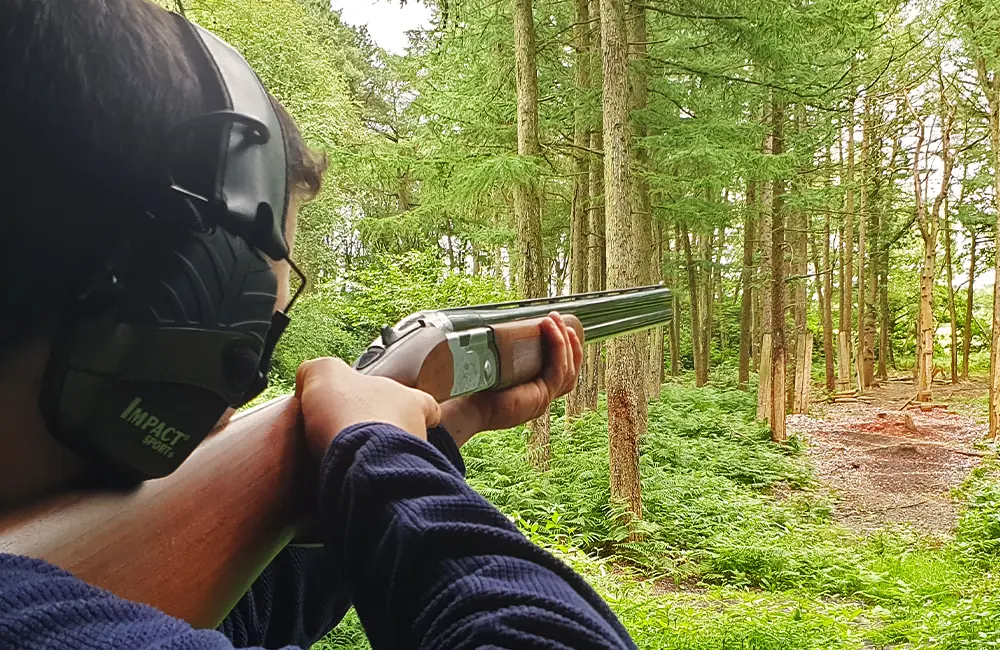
603	314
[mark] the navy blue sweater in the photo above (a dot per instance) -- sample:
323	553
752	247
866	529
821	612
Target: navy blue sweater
426	561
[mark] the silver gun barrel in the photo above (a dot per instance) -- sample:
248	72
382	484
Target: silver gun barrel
604	314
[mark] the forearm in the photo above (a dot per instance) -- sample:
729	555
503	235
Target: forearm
428	563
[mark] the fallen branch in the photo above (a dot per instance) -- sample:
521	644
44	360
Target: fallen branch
908	505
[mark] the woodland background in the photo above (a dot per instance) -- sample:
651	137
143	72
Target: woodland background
817	182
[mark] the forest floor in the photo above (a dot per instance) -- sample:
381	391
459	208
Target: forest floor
888	464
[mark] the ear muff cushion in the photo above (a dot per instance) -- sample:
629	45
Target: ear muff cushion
141	387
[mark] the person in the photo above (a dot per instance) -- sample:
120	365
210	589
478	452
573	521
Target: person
91	90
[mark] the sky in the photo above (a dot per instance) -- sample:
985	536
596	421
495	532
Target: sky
387	21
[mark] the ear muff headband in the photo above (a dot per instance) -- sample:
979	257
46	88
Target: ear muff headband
182	324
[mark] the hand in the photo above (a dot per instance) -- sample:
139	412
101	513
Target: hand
333	396
488	411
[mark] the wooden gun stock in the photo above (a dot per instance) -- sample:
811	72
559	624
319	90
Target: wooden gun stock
191	544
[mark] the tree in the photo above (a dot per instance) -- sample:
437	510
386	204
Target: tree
580	399
527	210
625	385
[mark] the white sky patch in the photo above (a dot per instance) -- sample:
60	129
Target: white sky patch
387	22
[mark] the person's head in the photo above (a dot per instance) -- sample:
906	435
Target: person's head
91	91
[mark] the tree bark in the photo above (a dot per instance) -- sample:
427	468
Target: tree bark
766	284
625	386
746	283
949	278
989	80
696	323
967	339
865	356
778	348
527	205
577	401
707	297
642	210
827	284
675	324
596	239
847	246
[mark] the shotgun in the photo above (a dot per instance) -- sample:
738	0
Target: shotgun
192	543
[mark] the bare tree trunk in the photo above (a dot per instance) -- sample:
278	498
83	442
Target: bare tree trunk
846	289
642	210
778	352
766	283
707	293
696	331
527	207
967	339
596	242
578	400
865	355
827	299
949	278
675	324
798	268
657	373
989	80
625	388
746	282
885	327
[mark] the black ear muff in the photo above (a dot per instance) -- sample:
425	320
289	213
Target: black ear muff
139	388
151	362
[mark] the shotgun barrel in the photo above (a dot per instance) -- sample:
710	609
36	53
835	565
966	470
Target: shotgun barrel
603	314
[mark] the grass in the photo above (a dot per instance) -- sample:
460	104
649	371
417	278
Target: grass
737	547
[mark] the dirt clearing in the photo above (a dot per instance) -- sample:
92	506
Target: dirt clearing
886	465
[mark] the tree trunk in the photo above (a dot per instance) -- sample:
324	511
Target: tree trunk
642	210
656	360
865	355
847	245
990	82
967	339
885	357
746	282
675	324
596	241
700	372
707	294
766	284
949	278
625	385
778	352
527	208
577	401
827	284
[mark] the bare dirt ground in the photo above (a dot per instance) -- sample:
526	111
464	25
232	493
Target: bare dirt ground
884	468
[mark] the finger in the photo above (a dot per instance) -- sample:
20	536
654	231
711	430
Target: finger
577	344
569	377
553	373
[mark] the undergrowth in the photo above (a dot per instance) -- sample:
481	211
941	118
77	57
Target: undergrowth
737	548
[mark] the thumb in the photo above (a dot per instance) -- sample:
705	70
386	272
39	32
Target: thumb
431	409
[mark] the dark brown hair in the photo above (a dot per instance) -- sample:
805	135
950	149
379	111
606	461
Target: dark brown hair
89	91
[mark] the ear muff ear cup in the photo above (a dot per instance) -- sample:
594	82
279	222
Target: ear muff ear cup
139	387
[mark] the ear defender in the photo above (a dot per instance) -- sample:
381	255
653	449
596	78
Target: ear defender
183	325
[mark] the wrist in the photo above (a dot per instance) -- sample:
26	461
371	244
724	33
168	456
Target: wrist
463	418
